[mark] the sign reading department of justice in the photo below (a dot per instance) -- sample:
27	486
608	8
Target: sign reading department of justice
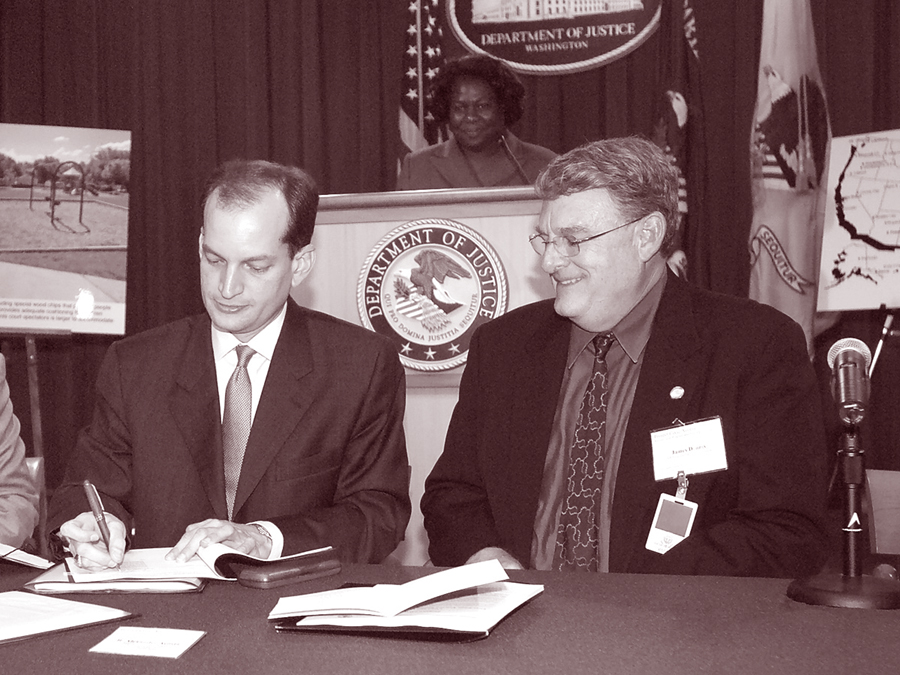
427	285
548	37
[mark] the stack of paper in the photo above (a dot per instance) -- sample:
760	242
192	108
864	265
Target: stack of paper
23	615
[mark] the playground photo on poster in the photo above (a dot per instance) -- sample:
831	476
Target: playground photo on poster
63	229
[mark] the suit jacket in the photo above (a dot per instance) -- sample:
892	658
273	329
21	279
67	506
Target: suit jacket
742	361
18	494
443	166
326	457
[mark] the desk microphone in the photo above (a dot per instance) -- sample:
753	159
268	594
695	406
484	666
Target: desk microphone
849	360
512	158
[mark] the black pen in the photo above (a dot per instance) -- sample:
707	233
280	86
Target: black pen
93	498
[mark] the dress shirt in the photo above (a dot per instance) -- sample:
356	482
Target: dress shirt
263	344
624	363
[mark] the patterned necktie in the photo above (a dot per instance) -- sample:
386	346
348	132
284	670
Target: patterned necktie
236	423
578	535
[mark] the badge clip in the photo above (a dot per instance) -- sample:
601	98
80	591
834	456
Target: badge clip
681	492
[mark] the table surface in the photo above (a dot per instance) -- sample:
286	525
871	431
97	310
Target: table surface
581	623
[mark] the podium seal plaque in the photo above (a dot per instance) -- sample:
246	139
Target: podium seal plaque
428	284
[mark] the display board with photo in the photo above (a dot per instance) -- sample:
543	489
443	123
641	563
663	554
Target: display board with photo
63	229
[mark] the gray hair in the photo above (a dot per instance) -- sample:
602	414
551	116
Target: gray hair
638	176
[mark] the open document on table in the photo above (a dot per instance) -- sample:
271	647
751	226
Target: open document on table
463	602
147	570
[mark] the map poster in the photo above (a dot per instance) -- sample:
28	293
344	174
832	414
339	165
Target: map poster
860	266
63	229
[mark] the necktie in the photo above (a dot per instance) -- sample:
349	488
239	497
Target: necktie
236	423
578	534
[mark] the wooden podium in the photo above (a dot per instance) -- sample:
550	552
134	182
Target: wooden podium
349	227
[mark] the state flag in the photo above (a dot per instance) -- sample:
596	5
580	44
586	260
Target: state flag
788	148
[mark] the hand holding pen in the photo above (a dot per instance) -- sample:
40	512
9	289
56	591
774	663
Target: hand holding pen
81	533
96	505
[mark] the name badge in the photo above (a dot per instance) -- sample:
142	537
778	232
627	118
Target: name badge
672	523
698	447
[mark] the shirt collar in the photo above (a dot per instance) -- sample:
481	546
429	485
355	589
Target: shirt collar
632	332
263	343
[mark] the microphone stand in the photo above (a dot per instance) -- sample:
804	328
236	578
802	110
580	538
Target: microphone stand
512	158
850	589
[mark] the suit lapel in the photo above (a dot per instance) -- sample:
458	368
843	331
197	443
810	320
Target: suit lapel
672	359
195	409
283	403
446	160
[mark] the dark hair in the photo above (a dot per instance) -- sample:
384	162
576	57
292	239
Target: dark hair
507	87
242	182
638	176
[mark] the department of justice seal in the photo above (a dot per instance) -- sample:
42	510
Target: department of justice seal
428	285
549	37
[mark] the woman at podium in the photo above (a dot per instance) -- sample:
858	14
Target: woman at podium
478	98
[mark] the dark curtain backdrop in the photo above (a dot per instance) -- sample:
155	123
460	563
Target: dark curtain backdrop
316	83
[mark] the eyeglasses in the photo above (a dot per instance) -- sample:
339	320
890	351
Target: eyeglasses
567	246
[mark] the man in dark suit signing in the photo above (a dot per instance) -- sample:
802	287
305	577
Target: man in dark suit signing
579	418
259	424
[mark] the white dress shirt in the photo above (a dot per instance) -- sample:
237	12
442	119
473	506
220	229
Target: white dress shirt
263	344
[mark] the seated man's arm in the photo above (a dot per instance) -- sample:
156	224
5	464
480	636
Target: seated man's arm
455	505
18	495
775	482
102	454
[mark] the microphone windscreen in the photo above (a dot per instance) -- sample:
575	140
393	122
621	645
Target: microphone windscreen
849	361
849	344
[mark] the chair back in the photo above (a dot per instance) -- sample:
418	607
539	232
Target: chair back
883	497
35	466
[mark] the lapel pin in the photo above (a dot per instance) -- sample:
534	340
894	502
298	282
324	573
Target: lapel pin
676	393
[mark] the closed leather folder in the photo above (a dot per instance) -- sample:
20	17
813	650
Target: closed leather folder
270	574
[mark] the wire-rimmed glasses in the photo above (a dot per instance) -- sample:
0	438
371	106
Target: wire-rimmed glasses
567	246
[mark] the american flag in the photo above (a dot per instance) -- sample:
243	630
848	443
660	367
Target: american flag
422	59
